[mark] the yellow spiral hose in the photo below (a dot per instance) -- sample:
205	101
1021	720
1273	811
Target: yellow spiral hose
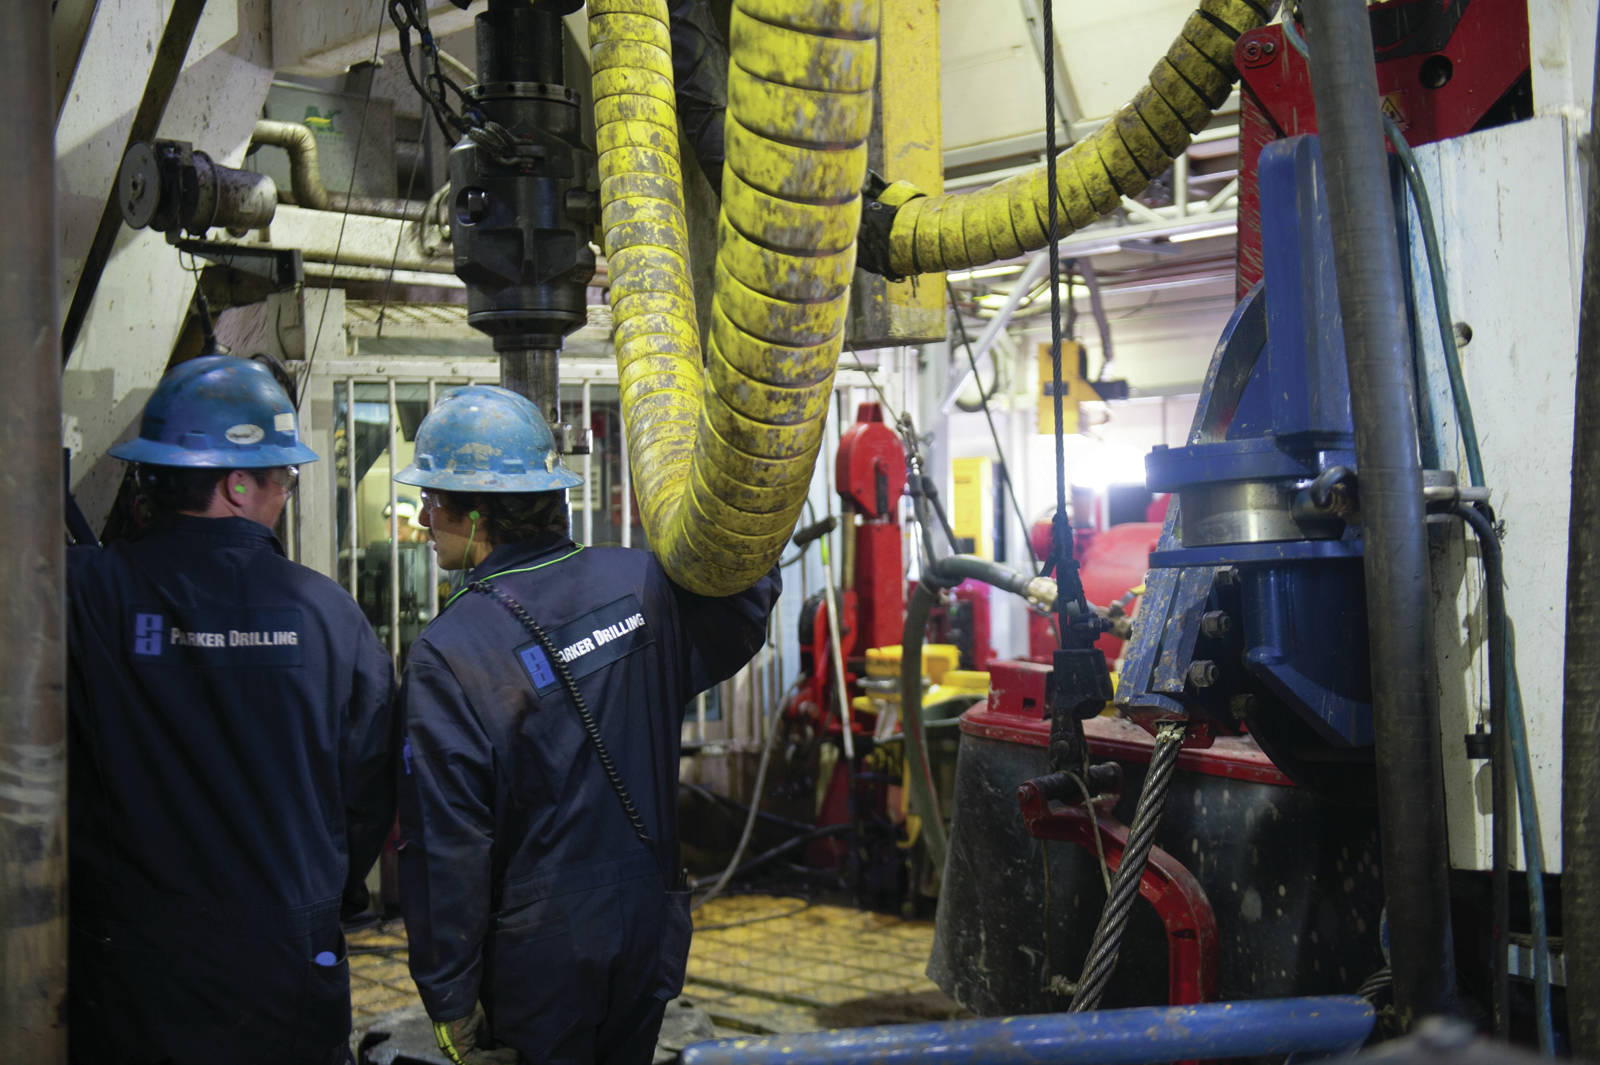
952	232
722	455
722	446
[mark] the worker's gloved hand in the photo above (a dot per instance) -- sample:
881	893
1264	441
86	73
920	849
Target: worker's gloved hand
464	1041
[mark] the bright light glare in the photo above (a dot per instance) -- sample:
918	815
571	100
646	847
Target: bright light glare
987	271
1091	462
1202	234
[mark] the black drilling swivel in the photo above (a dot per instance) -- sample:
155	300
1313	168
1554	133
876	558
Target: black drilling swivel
523	211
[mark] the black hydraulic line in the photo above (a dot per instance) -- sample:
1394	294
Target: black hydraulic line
744	808
700	80
930	492
33	717
788	845
1091	281
941	573
1501	778
1405	701
1101	960
1580	718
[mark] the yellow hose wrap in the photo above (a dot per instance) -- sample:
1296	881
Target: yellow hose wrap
722	449
952	232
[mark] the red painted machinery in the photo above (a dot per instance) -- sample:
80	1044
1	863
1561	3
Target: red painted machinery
870	471
1443	70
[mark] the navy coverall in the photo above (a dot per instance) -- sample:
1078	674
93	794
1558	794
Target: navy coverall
523	882
232	742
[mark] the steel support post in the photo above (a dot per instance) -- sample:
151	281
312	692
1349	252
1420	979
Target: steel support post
33	830
1405	698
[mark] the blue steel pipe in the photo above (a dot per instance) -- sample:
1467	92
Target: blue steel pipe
1335	1024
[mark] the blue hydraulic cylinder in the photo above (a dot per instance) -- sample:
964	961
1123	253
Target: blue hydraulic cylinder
1334	1024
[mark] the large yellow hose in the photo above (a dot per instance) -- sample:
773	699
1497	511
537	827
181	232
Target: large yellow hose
722	456
722	448
951	232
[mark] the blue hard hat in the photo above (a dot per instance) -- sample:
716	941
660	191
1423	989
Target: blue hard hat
218	412
484	438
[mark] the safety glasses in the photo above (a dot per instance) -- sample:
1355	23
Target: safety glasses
285	477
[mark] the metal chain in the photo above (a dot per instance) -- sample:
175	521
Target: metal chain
589	726
1107	942
461	119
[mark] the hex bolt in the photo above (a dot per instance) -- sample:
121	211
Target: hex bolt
1202	673
1215	624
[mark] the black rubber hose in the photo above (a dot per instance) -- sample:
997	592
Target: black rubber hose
1580	728
945	572
1405	700
1500	773
700	76
924	803
788	845
744	808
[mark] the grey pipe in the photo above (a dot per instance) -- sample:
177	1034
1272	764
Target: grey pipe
1580	746
305	176
1405	700
33	733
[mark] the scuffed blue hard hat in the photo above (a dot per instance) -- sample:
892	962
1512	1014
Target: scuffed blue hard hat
217	412
484	438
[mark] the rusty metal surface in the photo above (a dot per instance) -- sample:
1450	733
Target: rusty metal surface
33	785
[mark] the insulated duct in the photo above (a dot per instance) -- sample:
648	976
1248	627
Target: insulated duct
305	175
722	452
1194	78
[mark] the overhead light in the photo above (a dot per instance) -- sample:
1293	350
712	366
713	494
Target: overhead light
987	271
1202	234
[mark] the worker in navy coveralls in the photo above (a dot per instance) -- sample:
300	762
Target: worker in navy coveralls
232	741
540	891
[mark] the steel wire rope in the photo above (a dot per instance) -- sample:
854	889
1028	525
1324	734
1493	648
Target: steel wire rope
1101	960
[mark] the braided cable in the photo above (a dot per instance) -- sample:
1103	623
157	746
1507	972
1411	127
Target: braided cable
589	726
1107	942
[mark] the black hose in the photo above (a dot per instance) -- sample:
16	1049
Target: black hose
1383	405
1500	775
944	572
924	801
744	808
788	845
700	78
1580	728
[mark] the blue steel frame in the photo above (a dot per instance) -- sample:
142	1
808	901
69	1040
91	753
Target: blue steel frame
1275	407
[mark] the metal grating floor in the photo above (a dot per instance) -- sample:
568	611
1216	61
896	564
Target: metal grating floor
759	963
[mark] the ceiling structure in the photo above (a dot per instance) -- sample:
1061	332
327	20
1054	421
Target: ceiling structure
1160	260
